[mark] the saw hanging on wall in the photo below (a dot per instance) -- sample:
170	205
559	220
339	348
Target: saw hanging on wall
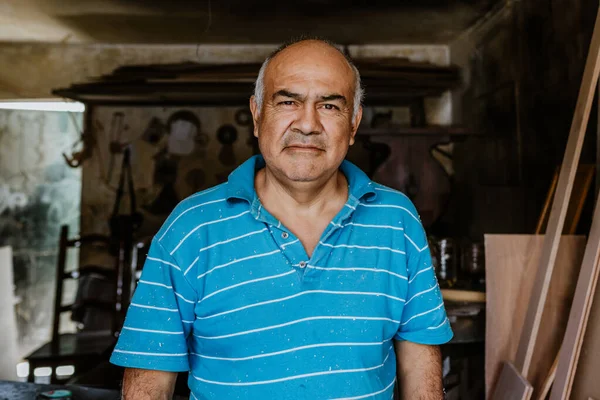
227	135
116	145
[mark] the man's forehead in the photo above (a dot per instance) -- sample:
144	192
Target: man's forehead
299	72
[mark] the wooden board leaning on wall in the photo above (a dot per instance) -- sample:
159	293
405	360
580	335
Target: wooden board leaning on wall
511	266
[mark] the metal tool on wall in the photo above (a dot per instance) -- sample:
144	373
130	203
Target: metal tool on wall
165	174
243	117
134	219
227	135
154	131
115	146
88	142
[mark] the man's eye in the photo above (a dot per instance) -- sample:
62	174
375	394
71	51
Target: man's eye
330	107
287	103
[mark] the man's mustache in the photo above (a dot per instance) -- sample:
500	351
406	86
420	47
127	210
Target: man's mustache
295	139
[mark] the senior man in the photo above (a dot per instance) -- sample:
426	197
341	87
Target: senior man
298	278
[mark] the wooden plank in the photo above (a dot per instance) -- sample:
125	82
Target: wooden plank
511	262
586	381
549	380
598	145
512	385
581	188
579	315
560	204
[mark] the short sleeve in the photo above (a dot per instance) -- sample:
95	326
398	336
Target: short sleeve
424	317
160	317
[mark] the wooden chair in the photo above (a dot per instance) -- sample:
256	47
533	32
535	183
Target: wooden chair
83	349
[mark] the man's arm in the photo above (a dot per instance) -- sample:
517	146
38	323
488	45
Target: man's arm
144	384
419	371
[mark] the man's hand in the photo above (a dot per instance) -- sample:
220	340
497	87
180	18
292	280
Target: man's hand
419	371
144	384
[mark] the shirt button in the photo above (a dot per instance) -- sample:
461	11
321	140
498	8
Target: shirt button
302	264
285	235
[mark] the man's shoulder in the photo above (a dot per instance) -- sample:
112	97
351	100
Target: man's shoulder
194	209
387	195
206	197
390	203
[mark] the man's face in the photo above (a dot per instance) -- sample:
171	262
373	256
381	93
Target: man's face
306	126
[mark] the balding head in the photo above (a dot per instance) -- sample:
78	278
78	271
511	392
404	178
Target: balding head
309	50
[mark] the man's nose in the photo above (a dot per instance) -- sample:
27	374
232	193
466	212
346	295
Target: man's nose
308	122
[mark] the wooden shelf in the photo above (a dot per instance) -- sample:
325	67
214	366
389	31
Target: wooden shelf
433	130
388	82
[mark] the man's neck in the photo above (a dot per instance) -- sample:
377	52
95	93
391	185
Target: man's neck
279	195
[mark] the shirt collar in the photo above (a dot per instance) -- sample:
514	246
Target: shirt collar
240	183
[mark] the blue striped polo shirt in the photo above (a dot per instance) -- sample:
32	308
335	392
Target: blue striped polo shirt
229	294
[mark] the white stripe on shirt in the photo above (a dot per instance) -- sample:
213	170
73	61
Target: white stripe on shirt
297	321
207	191
419	272
191	265
343	293
283	246
440	325
397	228
184	299
232	239
246	283
420	293
237	261
355	246
423	313
391	191
276	353
155	284
358	269
166	287
154	308
289	378
189	209
392	206
164	262
414	244
205	224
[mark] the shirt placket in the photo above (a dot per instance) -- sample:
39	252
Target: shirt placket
321	253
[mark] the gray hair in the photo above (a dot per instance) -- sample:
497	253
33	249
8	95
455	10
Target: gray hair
259	85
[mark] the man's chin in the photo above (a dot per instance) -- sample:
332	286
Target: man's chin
298	176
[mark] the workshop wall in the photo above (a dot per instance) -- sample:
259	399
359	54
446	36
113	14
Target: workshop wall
176	152
38	194
166	171
522	65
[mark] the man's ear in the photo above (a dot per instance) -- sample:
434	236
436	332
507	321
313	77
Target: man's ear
255	110
355	123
